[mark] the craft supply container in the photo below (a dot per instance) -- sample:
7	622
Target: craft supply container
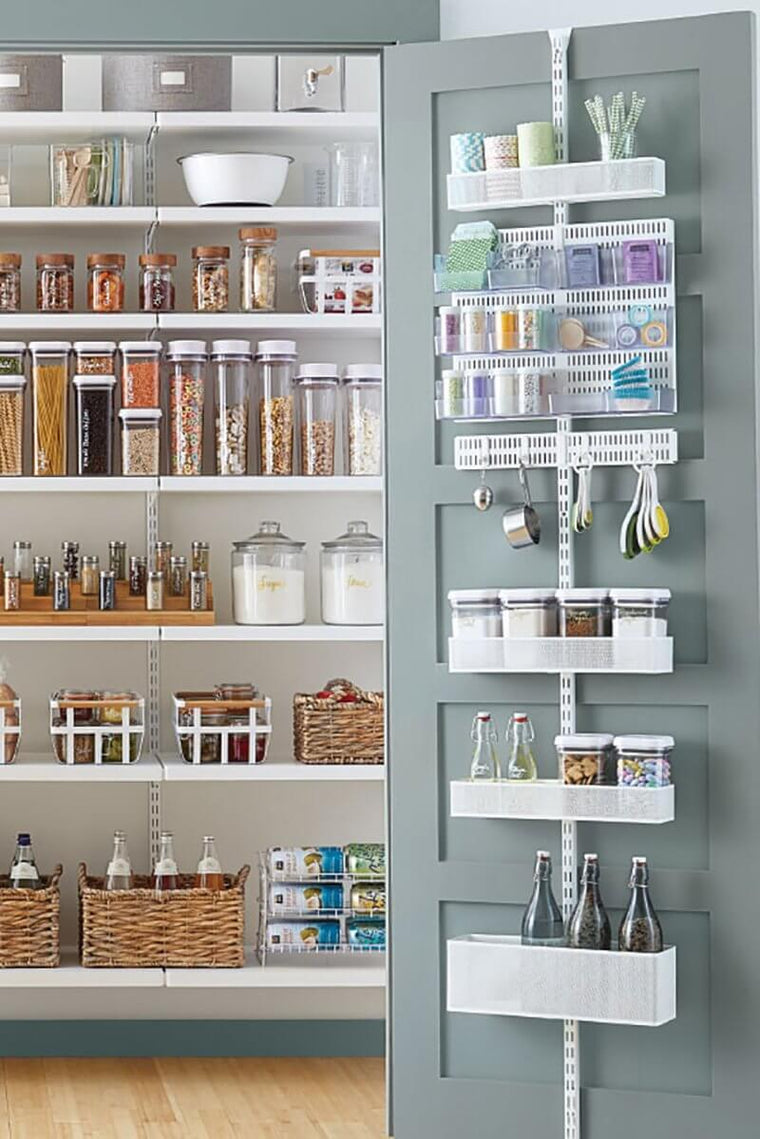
230	369
186	366
11	417
643	761
10	282
475	613
529	612
95	358
166	82
140	372
353	578
156	291
94	424
55	282
584	759
50	389
258	268
105	282
269	578
640	612
363	419
275	369
211	278
317	388
584	612
140	440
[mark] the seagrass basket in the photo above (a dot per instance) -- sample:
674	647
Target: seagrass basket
187	928
29	924
334	731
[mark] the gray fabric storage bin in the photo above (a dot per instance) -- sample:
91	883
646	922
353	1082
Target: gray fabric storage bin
31	82
167	82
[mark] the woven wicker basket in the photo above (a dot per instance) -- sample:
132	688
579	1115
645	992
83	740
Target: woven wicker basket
326	731
29	925
184	928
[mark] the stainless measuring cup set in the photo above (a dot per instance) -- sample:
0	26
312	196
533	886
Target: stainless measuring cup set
521	524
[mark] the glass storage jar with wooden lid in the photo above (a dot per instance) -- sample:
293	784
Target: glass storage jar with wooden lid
156	288
55	282
10	282
105	282
211	278
258	268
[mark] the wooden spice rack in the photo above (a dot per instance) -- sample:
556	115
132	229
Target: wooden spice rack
84	610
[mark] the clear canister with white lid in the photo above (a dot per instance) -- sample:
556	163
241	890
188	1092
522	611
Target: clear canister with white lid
275	370
475	613
95	357
231	366
363	418
186	364
640	612
353	579
50	395
529	612
584	758
94	423
584	612
317	386
269	578
644	761
12	385
140	440
140	373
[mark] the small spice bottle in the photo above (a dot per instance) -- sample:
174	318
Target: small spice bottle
42	573
162	555
211	278
138	575
22	560
105	282
70	551
200	557
107	590
154	590
55	282
61	590
198	591
177	576
156	286
90	573
12	591
10	282
258	268
117	559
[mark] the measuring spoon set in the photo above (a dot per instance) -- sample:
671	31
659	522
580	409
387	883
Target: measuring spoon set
646	523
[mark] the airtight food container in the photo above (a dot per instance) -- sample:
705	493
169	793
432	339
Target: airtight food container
640	612
583	612
643	761
475	613
584	758
529	612
353	587
268	578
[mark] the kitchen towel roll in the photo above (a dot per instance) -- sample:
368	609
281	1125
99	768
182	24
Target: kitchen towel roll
536	144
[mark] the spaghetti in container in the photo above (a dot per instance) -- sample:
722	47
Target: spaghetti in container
50	389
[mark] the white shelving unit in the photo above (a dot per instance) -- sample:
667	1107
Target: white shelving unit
46	769
561	654
340	634
288	125
201	484
176	770
324	325
308	220
551	799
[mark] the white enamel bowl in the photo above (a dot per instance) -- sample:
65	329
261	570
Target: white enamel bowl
235	179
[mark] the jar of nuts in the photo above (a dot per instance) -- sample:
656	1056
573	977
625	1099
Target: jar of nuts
584	759
211	278
317	402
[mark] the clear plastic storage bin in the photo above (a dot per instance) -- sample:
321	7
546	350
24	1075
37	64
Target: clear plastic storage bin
643	761
584	612
640	612
94	426
529	612
475	613
140	440
584	759
187	382
317	386
231	362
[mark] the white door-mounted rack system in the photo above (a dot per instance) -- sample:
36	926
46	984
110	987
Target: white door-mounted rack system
565	449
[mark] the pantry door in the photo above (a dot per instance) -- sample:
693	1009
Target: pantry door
492	1077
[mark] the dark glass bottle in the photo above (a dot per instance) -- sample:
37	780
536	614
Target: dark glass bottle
542	921
589	925
640	930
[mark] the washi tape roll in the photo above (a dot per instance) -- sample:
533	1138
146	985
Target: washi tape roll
500	151
654	335
627	336
467	154
639	315
535	144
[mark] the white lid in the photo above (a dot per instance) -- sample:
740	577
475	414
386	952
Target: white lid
90	381
141	346
186	348
230	348
582	594
652	594
53	346
14	383
12	346
276	348
147	413
594	741
448	308
95	347
487	594
318	372
363	372
507	596
644	743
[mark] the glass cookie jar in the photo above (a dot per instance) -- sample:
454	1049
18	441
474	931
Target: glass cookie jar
269	578
353	590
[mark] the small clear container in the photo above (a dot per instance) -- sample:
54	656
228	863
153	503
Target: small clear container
140	440
187	383
643	761
95	357
275	369
269	579
55	282
50	393
258	268
140	373
475	613
12	386
317	386
231	367
584	612
584	759
363	405
94	425
211	278
105	282
10	282
529	612
156	282
640	612
353	578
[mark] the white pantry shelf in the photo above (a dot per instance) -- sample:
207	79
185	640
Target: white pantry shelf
295	634
275	324
45	768
317	974
550	799
561	654
97	216
310	220
261	484
71	975
73	484
35	127
88	323
30	633
271	771
296	128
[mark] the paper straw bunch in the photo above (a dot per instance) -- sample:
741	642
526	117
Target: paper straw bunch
613	122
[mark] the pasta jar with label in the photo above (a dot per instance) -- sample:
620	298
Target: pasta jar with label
269	579
10	282
105	282
363	403
317	386
12	385
140	440
140	373
187	383
55	282
258	268
50	390
231	362
353	578
94	357
211	278
156	288
275	367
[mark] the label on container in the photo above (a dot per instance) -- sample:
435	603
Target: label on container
166	866
25	870
209	866
118	868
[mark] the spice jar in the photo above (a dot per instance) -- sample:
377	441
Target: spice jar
42	572
529	612
117	559
10	282
23	562
55	282
584	759
90	575
269	579
12	589
640	612
177	576
95	357
363	404
231	361
12	385
162	557
201	552
138	575
211	278
275	361
50	389
70	552
643	761
353	580
475	613
107	590
105	282
154	590
140	373
258	268
156	287
61	590
95	396
583	612
317	386
198	591
187	378
140	440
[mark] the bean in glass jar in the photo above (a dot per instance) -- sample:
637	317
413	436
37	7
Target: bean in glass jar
10	282
258	268
211	278
157	282
105	282
55	282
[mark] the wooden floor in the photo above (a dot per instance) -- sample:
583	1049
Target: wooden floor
192	1099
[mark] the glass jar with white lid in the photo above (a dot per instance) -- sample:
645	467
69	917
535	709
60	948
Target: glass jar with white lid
353	579
475	613
584	612
269	578
643	761
584	758
640	612
363	402
529	612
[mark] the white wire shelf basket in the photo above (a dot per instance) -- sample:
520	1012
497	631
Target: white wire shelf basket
106	728
563	182
498	976
602	448
550	799
201	741
561	654
10	729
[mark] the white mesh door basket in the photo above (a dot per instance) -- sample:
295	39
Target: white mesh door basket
167	82
201	741
103	729
561	654
10	729
550	799
570	182
499	976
